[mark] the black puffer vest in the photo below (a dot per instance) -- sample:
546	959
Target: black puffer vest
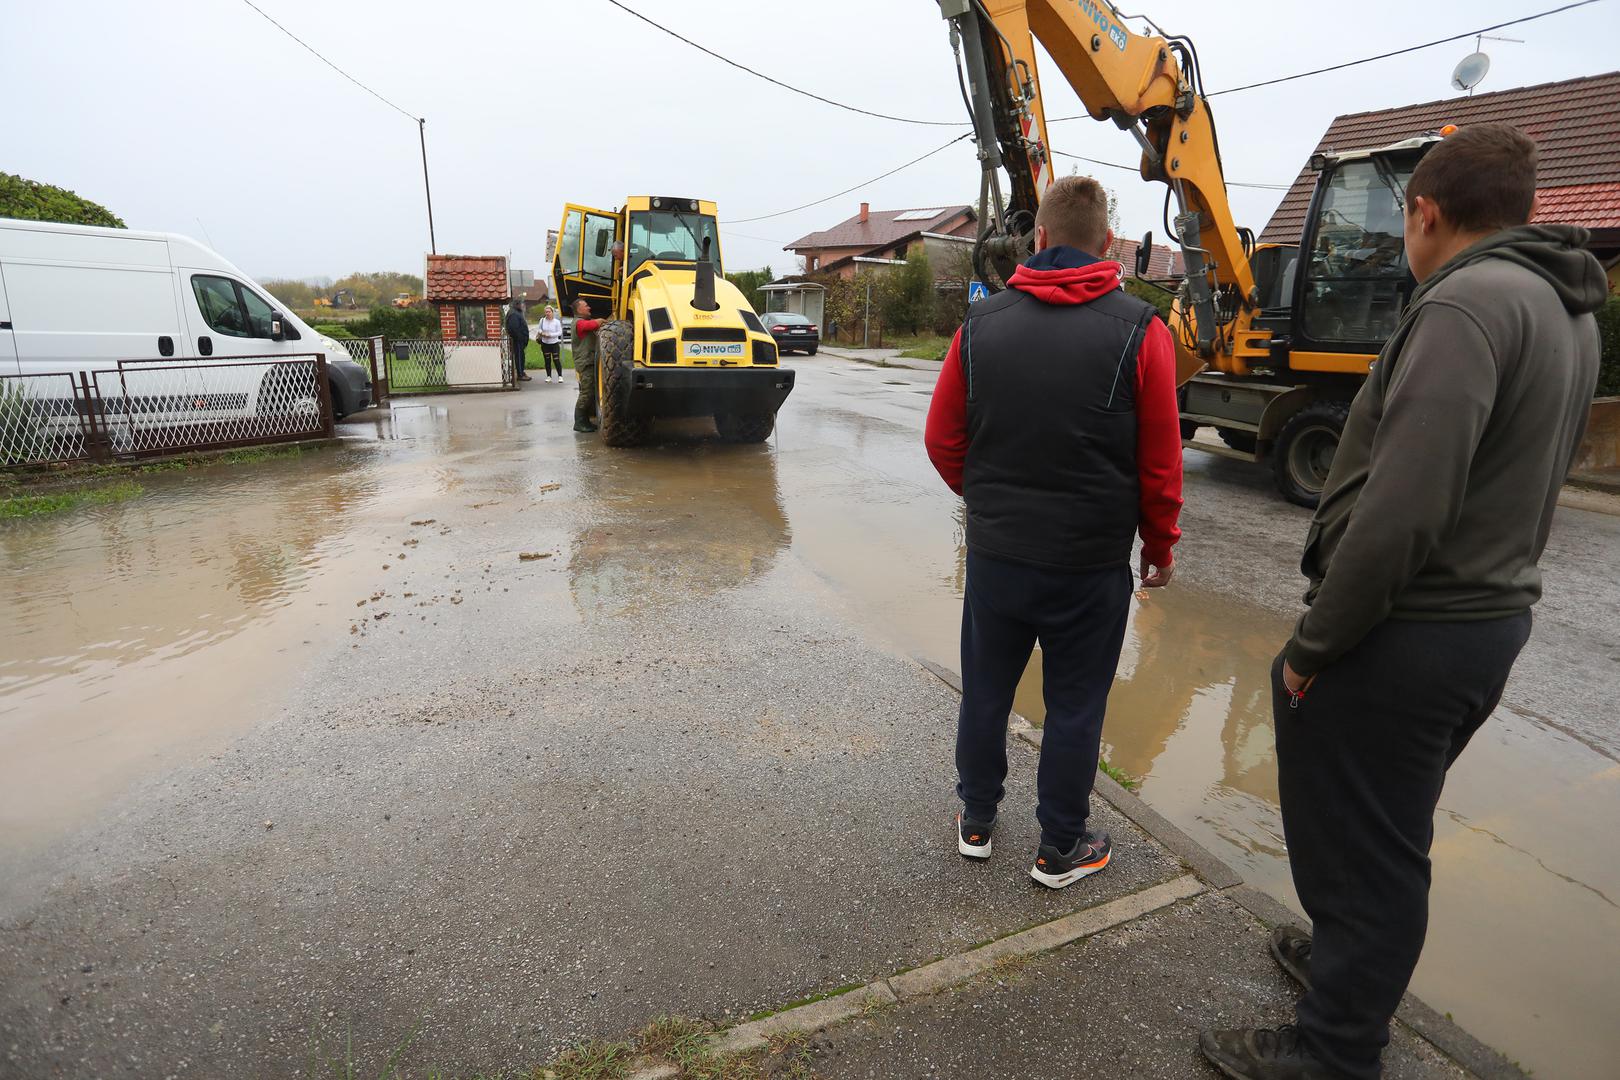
1051	475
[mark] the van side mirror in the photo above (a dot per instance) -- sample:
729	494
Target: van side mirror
1144	254
277	333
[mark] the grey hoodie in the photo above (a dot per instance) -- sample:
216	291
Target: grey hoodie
1443	487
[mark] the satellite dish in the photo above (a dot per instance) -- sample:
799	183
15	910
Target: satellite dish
1470	71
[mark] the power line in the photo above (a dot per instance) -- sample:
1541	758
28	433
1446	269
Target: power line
856	187
777	82
1400	52
1134	169
329	63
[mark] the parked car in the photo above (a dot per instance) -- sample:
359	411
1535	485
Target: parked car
792	331
81	298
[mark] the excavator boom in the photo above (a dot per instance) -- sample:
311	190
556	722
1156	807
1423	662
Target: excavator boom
1147	85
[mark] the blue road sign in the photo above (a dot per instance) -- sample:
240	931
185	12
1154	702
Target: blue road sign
977	290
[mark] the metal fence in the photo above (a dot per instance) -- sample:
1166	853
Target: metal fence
427	365
369	352
145	407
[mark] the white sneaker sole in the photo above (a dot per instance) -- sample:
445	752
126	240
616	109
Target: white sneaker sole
1060	881
973	851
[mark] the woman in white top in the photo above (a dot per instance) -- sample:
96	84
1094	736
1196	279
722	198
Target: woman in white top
550	334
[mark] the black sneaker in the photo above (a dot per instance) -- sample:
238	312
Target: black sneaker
1055	869
1263	1054
973	837
584	425
1292	948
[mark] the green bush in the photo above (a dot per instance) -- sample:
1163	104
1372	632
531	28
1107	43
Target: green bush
1608	319
396	324
33	201
904	295
748	283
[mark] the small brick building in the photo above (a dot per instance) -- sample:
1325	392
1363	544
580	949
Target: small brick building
469	292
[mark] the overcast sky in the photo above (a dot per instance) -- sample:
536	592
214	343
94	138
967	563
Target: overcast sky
199	117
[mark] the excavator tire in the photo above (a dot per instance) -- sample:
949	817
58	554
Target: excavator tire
616	345
744	427
1303	452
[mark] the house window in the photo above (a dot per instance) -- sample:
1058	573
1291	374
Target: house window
470	322
814	261
900	252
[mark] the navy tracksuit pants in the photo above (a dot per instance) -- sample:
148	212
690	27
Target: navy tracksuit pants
1079	619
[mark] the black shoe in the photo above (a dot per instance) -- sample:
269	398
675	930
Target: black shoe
1262	1054
524	378
585	426
1056	869
973	837
1292	948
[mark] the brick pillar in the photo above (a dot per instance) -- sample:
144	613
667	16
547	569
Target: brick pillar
492	322
447	321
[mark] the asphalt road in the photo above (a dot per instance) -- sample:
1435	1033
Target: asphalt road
370	770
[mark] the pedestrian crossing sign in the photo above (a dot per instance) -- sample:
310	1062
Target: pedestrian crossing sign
977	290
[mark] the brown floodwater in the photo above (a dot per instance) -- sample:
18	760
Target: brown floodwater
140	633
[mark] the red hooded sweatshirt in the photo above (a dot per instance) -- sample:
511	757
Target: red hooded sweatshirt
1158	416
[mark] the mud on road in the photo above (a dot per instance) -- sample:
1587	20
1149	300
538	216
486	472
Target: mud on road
312	744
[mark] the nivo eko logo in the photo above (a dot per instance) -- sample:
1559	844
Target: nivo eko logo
1116	33
700	348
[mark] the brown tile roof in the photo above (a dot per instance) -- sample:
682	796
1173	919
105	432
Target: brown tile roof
1165	261
1575	123
467	277
880	229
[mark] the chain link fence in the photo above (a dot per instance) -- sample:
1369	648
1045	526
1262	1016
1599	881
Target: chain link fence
428	365
145	407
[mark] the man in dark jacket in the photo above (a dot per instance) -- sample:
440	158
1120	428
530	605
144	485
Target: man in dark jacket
1422	566
1055	417
517	333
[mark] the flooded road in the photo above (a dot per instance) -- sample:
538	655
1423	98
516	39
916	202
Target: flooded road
143	635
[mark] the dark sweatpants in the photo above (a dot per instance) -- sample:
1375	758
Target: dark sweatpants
520	346
1360	765
1079	619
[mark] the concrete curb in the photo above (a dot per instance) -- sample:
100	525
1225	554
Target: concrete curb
1443	1034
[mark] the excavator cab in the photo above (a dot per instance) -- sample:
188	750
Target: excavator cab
680	339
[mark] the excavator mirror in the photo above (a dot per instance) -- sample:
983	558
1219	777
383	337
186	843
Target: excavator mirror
1144	255
603	239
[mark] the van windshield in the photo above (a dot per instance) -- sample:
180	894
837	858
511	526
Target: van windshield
672	235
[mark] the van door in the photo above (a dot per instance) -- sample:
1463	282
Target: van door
8	343
229	318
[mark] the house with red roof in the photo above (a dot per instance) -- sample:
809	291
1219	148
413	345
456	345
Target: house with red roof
469	292
1576	126
885	237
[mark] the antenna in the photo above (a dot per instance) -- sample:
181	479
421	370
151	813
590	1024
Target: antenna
1471	69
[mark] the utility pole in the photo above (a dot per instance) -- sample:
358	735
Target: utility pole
421	131
866	324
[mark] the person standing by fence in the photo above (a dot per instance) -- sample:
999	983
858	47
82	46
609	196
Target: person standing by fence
550	333
585	346
517	332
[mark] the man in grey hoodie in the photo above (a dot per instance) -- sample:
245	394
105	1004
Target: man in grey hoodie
1422	566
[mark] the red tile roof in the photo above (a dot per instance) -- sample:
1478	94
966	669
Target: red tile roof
467	277
880	229
1575	123
1165	262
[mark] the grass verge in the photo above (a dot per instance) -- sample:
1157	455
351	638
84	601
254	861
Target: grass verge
1118	775
31	506
923	347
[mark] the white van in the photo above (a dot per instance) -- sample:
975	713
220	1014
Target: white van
80	298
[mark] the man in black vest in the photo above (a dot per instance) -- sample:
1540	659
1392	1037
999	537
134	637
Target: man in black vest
1055	416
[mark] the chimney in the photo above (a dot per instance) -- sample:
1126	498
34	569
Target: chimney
866	210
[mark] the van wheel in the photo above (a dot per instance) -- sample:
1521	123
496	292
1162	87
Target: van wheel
1303	454
286	397
616	343
744	427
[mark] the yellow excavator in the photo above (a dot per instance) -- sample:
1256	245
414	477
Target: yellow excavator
1272	341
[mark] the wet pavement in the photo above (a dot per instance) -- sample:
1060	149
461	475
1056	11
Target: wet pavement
284	660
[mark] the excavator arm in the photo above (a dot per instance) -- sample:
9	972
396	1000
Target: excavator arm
1147	85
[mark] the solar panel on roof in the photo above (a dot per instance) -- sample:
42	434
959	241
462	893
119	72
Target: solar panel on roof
920	215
